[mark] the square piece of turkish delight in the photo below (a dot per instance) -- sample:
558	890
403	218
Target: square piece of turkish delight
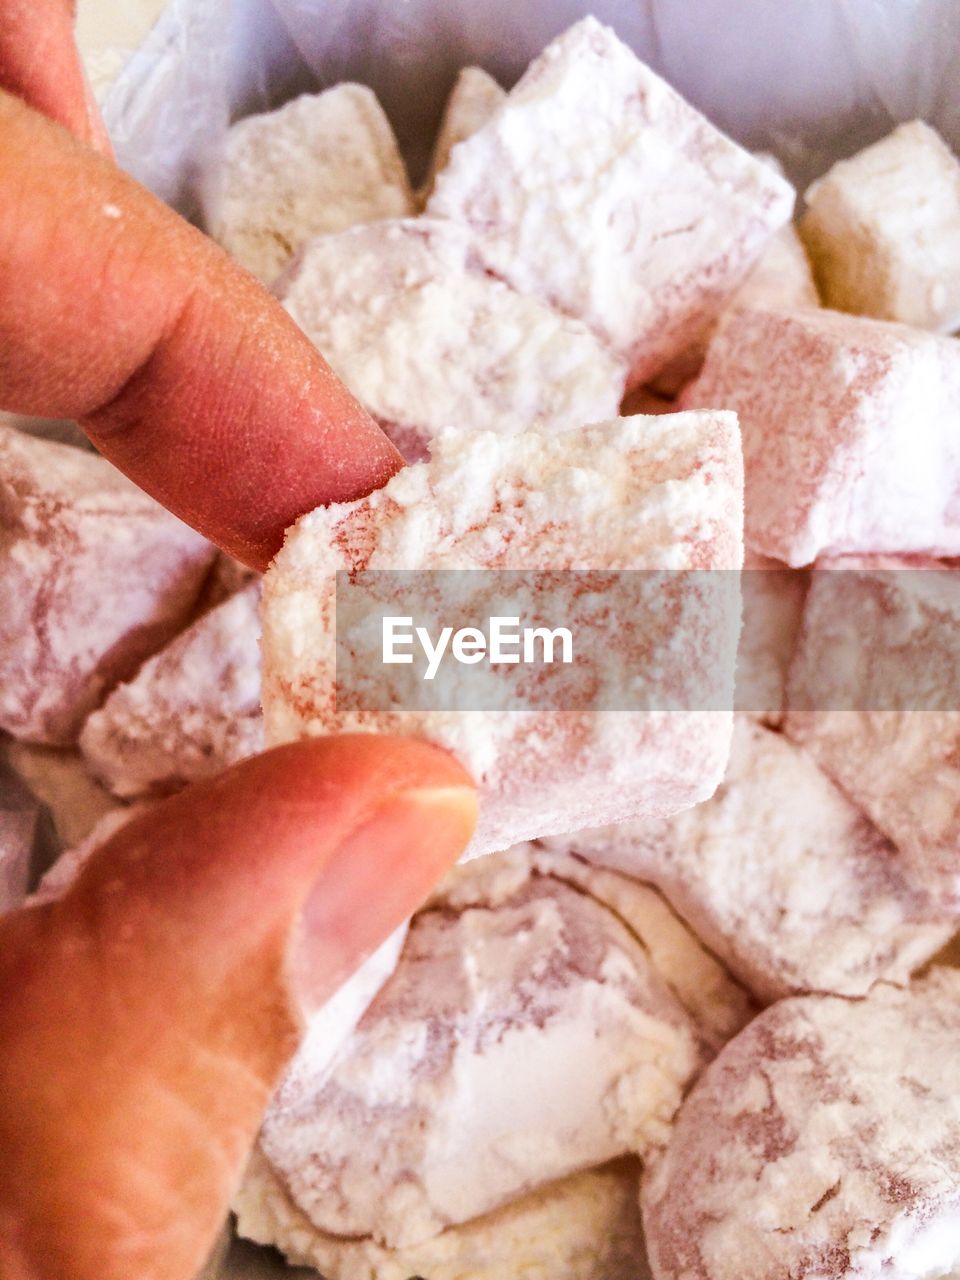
190	711
651	736
883	230
425	339
850	440
599	189
94	577
318	164
874	696
782	876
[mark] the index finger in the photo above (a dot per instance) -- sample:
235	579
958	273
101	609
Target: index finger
39	62
180	367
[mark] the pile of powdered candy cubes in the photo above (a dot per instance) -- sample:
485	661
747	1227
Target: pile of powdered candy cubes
686	1004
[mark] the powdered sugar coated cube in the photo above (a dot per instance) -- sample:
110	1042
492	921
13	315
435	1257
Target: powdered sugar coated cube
318	164
426	339
883	230
823	1142
191	710
637	493
782	876
94	577
873	695
849	427
523	1036
598	188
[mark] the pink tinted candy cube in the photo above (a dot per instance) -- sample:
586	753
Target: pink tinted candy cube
874	696
782	877
850	435
782	279
597	188
425	339
191	710
823	1142
94	577
525	1034
641	493
318	164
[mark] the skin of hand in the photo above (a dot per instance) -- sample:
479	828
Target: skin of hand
39	63
177	363
146	1016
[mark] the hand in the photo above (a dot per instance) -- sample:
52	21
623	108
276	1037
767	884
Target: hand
180	367
146	1016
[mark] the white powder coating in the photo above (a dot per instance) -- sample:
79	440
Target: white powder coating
319	164
873	696
635	493
718	1005
883	230
782	279
191	710
473	100
94	577
849	427
425	339
782	877
584	1227
515	1044
824	1142
599	189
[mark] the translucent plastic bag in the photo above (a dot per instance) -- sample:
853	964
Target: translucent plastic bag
810	80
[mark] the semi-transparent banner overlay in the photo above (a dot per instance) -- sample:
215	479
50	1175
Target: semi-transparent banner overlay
701	640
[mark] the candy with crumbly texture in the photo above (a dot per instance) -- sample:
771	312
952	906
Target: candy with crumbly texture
191	709
781	279
599	189
849	428
637	493
873	696
94	577
426	340
523	1037
472	101
782	877
718	1005
823	1142
319	164
584	1227
883	230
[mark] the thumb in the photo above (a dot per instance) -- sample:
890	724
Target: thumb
145	1017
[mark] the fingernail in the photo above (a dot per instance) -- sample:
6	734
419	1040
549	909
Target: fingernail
377	878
